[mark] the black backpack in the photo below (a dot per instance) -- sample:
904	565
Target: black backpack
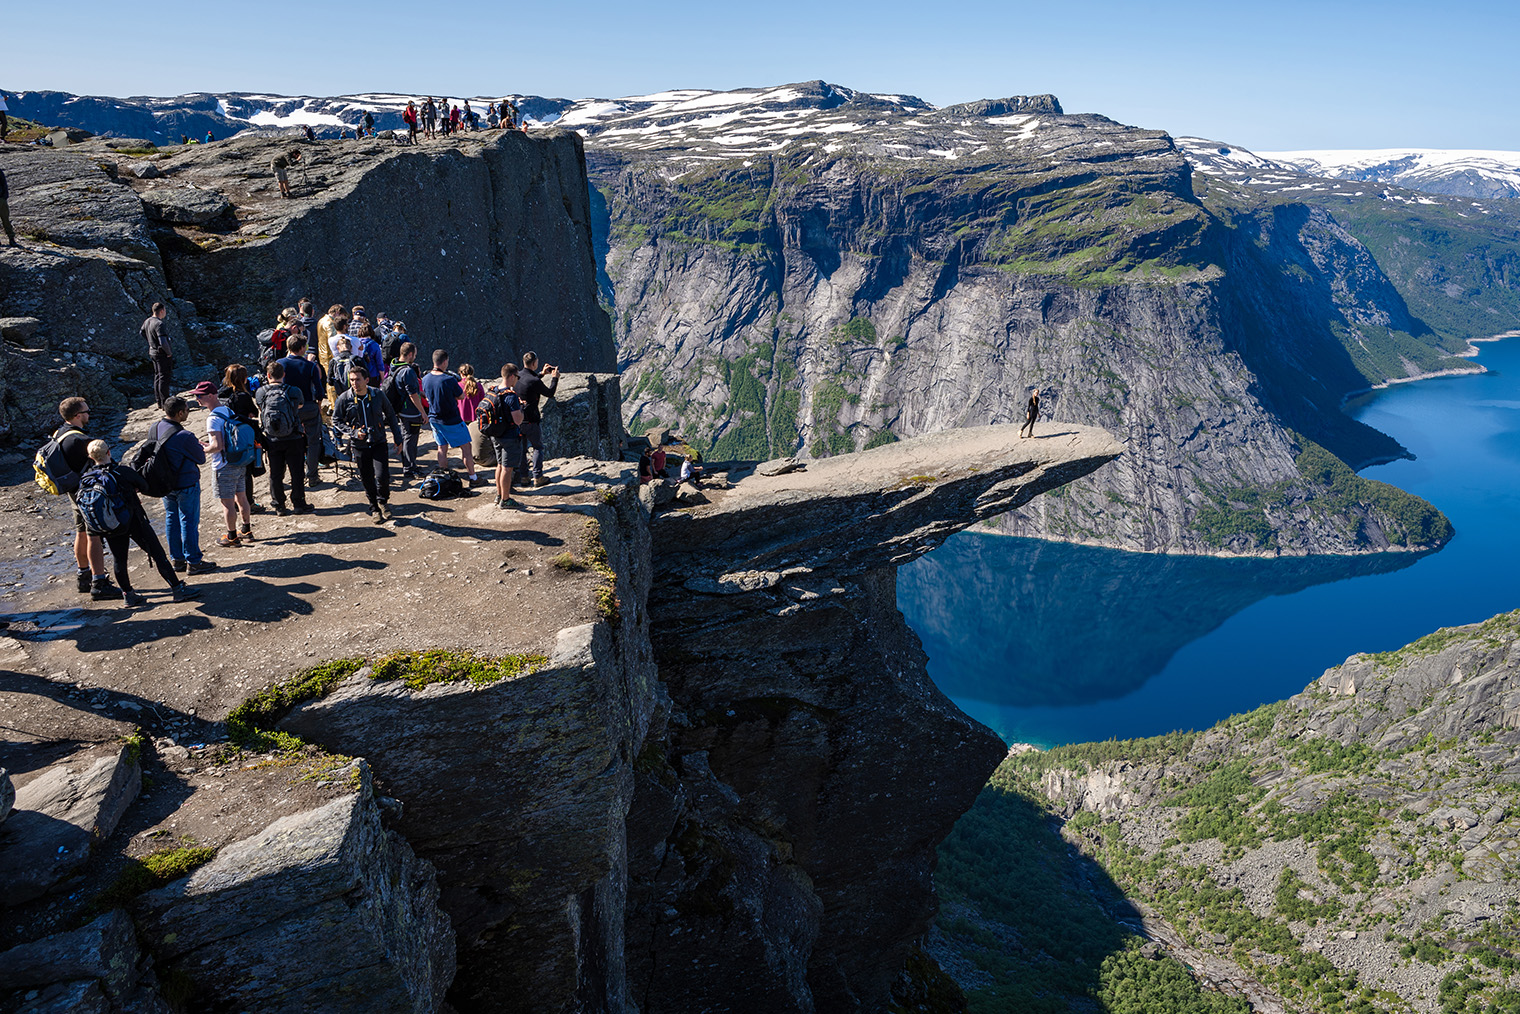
390	346
440	484
392	390
151	461
279	417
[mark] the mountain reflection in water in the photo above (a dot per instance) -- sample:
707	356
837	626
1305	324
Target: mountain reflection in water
1026	622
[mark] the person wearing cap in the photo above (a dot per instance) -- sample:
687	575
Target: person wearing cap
229	478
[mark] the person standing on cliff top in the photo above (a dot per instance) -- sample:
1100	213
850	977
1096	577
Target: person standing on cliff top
1031	413
160	352
364	415
280	164
409	117
530	388
5	210
5	124
429	117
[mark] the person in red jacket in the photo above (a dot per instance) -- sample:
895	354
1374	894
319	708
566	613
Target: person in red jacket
409	117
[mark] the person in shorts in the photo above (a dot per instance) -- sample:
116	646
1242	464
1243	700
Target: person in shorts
509	446
280	164
229	478
442	391
89	550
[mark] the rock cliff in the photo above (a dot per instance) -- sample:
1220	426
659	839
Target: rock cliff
813	270
480	246
698	765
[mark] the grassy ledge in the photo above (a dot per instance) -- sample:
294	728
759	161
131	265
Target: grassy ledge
151	871
250	724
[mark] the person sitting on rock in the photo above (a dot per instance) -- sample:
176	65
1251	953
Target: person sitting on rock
280	164
134	527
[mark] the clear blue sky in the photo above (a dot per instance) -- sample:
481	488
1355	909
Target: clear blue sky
1263	75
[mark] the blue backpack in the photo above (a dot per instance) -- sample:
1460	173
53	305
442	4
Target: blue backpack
237	438
100	503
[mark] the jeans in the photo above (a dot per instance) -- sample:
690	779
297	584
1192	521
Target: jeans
182	523
374	464
313	427
286	454
140	531
410	429
533	441
163	378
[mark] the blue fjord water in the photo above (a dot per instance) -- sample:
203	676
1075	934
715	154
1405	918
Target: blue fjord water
1050	643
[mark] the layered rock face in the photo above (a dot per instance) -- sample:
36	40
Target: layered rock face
823	272
482	247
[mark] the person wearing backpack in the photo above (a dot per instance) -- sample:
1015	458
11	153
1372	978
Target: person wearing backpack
62	461
182	457
500	416
119	488
403	389
280	404
230	442
337	372
305	376
364	414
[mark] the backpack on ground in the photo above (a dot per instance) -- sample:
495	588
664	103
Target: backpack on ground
53	472
492	417
150	459
279	417
100	503
238	438
441	484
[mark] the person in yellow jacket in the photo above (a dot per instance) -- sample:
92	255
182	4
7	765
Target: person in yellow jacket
332	323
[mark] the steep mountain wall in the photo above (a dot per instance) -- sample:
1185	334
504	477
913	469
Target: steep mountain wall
923	273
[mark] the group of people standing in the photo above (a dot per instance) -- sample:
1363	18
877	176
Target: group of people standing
343	369
441	118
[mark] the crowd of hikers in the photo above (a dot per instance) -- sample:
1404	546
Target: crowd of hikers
327	389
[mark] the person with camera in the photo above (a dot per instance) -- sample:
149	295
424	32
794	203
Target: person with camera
364	414
530	388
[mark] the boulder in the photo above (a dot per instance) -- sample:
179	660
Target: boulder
322	910
779	466
81	997
7	795
18	329
60	814
184	205
104	952
65	136
139	168
690	495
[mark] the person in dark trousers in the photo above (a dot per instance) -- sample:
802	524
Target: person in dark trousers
89	551
530	388
182	507
508	446
280	404
5	124
137	528
412	409
306	377
1031	413
5	210
160	351
364	414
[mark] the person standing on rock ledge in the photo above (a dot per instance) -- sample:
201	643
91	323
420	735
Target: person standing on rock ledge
280	164
1031	413
530	388
160	351
363	415
5	210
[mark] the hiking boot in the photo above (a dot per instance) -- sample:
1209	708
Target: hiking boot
182	592
305	508
229	541
84	581
505	505
540	481
255	508
204	567
280	511
102	590
133	600
179	566
382	513
246	533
